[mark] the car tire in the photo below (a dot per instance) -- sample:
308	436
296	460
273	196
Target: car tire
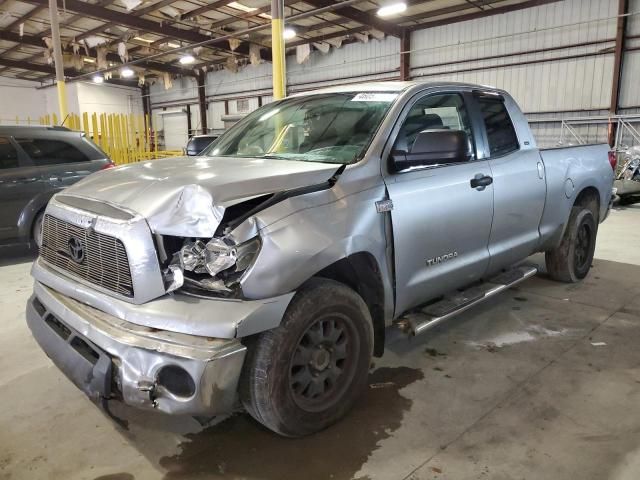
307	373
36	230
571	260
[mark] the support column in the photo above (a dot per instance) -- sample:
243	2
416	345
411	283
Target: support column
277	49
623	9
57	58
188	121
146	105
405	48
202	101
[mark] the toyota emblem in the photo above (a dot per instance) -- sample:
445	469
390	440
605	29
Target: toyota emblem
76	250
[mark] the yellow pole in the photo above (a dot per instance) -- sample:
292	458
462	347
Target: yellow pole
277	49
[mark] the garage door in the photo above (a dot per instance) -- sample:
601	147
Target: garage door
175	130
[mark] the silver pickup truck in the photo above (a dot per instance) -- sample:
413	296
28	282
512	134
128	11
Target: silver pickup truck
269	269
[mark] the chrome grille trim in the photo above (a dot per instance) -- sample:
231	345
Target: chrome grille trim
106	263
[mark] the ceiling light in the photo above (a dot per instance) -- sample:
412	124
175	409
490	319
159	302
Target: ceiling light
98	79
239	6
126	72
143	39
187	59
392	9
89	60
173	45
289	33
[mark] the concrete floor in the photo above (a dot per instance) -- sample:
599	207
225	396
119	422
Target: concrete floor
542	382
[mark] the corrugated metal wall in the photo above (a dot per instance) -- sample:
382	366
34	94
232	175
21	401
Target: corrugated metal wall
555	59
551	81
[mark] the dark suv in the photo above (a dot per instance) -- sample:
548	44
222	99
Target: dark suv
35	163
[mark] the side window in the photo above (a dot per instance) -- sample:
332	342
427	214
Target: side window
500	132
434	112
8	154
50	152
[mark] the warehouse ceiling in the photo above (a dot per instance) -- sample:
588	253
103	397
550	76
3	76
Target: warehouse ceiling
157	34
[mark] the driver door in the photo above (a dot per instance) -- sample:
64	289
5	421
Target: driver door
441	223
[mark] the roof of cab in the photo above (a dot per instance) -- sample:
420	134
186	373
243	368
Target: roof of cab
30	129
390	86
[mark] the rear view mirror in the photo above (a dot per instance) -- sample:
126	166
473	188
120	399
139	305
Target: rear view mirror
433	147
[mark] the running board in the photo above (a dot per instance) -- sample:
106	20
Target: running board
428	317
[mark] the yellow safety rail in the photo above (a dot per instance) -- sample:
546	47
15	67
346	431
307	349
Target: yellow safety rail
126	138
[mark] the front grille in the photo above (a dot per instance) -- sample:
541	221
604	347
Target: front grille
99	259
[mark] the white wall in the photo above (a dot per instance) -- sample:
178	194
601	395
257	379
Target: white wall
89	97
20	98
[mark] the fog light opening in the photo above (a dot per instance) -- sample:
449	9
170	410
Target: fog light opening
176	381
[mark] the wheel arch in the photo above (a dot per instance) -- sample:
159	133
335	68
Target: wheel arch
589	197
360	272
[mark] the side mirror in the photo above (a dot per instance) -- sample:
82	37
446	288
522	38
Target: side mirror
433	147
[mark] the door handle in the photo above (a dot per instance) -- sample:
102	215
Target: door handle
481	181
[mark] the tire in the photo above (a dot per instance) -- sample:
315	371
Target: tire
307	373
571	260
36	230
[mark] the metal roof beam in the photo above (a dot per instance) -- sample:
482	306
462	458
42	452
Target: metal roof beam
472	16
359	16
141	24
112	57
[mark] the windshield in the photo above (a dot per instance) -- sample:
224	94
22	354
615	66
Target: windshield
328	128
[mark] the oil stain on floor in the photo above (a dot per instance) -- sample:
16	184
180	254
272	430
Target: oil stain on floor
240	448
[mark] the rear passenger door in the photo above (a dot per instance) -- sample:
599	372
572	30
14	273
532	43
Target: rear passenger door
20	182
61	163
519	186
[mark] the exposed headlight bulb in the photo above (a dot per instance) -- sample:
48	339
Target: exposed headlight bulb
218	256
212	257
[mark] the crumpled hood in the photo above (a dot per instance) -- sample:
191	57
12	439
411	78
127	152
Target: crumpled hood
187	196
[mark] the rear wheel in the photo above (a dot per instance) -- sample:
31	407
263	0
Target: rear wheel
571	260
307	373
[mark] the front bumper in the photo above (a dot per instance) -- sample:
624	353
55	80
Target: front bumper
107	357
627	187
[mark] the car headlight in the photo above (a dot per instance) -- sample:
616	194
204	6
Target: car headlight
221	258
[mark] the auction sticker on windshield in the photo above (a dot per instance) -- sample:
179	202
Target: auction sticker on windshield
374	97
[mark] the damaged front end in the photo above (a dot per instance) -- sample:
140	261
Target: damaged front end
215	267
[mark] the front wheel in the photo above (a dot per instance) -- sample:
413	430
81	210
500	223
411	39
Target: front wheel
571	260
307	373
36	232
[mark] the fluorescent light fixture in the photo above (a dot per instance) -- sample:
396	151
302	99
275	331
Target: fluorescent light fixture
289	33
239	6
126	72
187	59
98	79
392	9
173	45
89	60
143	39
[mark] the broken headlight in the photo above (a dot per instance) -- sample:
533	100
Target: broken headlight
217	265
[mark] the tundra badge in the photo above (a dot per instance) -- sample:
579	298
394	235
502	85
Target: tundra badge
442	258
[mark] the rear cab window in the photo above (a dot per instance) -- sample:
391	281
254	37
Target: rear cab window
8	154
501	134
